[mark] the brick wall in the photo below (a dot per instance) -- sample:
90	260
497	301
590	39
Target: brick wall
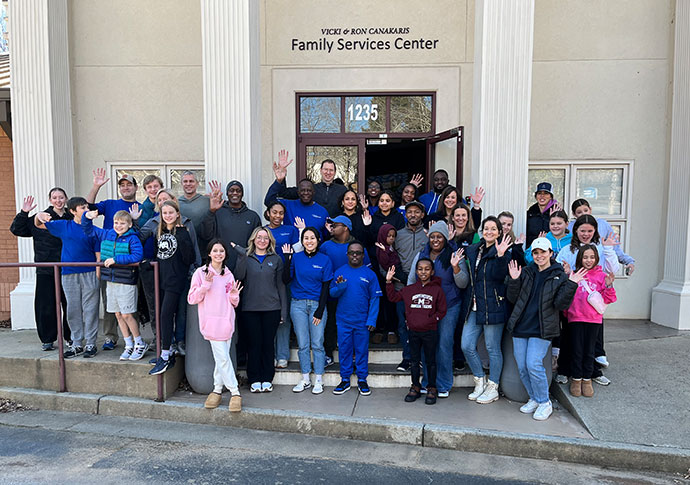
8	243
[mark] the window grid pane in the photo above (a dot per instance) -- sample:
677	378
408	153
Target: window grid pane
345	158
411	114
319	114
603	189
365	114
555	176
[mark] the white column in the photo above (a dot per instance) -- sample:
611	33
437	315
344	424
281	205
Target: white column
41	121
503	39
232	129
671	298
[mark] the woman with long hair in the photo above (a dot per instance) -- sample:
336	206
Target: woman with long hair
361	219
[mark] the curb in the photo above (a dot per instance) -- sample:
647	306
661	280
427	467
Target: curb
574	450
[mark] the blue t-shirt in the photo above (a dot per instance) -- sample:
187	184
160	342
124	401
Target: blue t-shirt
314	215
308	274
107	208
355	295
284	235
77	247
260	257
337	253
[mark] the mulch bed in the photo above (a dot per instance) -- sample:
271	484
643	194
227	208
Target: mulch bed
7	406
6	323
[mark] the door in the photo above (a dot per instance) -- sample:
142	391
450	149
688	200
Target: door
444	151
348	155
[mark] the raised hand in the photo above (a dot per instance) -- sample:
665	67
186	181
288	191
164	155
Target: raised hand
366	217
208	276
287	249
135	211
339	280
28	205
541	234
610	278
451	231
380	246
283	156
99	177
389	274
92	214
566	267
555	208
236	286
502	247
329	227
478	196
363	202
610	240
216	198
521	239
300	224
214	186
576	277
514	269
456	257
417	179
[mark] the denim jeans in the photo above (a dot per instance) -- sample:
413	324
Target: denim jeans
492	337
283	335
529	354
444	350
402	330
309	336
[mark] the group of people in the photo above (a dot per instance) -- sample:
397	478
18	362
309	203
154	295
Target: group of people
342	270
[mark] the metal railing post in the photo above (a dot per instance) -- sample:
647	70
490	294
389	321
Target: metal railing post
58	309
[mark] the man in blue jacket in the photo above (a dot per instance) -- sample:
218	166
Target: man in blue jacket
431	198
357	289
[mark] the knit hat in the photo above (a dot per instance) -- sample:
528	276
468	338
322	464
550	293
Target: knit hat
234	182
441	227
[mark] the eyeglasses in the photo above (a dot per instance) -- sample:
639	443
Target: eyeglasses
355	253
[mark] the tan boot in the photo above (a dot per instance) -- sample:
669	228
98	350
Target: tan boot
235	404
576	387
213	400
587	389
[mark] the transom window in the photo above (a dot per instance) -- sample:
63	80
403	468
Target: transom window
169	172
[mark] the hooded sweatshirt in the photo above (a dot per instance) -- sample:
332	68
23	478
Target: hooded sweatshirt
217	303
231	225
386	257
425	305
580	310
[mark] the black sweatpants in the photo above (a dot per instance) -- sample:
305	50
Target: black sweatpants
260	329
169	302
44	310
330	335
428	341
583	339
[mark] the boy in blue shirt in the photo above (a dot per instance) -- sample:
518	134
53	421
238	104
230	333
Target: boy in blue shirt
358	292
120	245
79	282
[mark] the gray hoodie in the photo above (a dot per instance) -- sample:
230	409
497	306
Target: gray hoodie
264	289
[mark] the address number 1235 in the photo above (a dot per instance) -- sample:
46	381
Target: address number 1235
363	112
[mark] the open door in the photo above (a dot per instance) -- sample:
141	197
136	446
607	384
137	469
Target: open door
444	151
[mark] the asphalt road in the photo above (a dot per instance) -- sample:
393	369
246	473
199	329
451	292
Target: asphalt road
61	447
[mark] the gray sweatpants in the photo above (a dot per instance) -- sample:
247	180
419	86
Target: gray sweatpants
81	291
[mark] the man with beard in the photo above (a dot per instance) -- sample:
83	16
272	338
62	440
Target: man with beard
430	199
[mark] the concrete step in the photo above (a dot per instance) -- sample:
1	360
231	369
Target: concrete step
380	375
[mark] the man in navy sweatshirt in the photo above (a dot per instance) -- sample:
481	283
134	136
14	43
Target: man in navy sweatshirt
357	289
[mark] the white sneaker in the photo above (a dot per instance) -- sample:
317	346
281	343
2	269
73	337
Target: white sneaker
139	351
318	388
490	393
543	411
602	361
529	407
479	385
266	387
301	386
126	354
281	364
255	387
602	380
442	394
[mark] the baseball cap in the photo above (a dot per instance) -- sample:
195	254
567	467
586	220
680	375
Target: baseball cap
415	203
128	178
541	243
344	220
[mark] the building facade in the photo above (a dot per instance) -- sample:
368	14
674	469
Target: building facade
591	96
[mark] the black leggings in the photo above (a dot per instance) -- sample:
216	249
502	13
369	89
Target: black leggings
44	310
429	341
583	339
169	303
260	329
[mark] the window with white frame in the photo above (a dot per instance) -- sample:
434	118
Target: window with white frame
606	184
169	172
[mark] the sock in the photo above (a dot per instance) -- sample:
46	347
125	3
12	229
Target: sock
139	340
129	342
305	377
165	354
319	378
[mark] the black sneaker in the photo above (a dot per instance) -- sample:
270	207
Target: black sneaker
329	361
342	388
160	367
47	347
363	388
72	351
404	366
90	351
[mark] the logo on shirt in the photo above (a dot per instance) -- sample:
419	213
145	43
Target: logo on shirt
316	266
248	222
362	278
421	300
167	245
315	216
270	263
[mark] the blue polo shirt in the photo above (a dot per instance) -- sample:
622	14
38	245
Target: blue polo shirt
337	252
77	247
107	208
355	295
308	274
284	235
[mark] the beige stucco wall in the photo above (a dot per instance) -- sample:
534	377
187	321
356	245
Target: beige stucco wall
136	83
601	79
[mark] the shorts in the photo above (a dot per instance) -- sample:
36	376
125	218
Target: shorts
121	298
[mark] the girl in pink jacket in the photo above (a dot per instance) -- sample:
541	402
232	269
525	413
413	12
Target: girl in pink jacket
217	293
584	317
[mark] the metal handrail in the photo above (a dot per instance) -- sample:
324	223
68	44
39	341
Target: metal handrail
58	307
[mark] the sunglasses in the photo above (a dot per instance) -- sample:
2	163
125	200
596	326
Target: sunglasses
355	253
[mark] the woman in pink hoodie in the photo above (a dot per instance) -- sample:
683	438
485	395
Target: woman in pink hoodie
585	315
217	293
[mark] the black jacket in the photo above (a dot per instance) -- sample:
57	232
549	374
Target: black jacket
537	221
557	294
174	253
487	285
47	248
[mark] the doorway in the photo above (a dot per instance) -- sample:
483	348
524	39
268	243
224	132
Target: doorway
393	162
